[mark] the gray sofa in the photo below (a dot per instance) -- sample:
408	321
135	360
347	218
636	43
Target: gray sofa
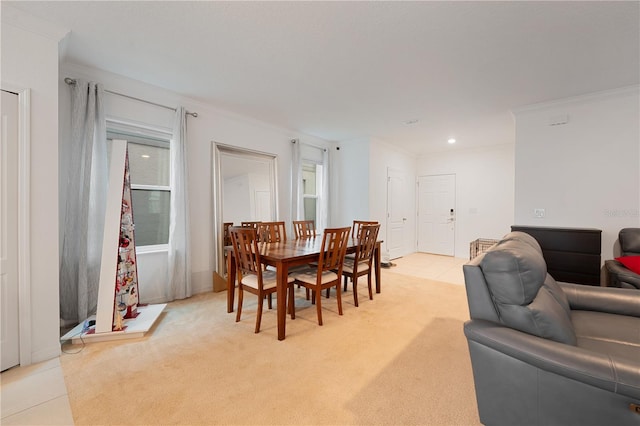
617	274
548	353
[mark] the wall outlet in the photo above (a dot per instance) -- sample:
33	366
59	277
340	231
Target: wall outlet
539	213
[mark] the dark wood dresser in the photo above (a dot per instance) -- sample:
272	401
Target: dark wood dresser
572	254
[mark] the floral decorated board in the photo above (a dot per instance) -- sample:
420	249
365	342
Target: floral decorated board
126	289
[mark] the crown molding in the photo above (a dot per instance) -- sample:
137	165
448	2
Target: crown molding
24	21
587	97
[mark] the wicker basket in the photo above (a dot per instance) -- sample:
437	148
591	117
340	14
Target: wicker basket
479	246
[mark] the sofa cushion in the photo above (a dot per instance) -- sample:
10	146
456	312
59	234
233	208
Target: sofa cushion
632	263
549	318
514	272
524	237
525	296
629	241
558	293
606	333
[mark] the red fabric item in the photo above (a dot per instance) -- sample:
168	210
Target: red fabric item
631	262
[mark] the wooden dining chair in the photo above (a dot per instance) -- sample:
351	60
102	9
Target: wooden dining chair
251	276
227	236
250	224
272	232
328	272
358	224
355	231
363	258
304	229
226	240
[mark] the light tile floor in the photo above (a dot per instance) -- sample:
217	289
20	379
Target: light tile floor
439	268
37	395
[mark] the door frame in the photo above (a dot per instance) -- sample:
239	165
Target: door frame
24	219
220	150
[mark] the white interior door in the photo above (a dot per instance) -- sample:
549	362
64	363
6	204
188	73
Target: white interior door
10	337
396	212
437	214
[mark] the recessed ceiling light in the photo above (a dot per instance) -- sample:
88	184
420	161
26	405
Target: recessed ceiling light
145	156
451	141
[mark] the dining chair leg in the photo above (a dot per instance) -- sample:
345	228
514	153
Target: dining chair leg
269	301
345	283
318	294
306	291
355	291
240	297
370	288
339	297
259	314
292	303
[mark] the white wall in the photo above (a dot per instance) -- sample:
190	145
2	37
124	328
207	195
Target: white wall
362	169
153	270
484	190
384	156
30	61
584	173
236	199
350	165
212	125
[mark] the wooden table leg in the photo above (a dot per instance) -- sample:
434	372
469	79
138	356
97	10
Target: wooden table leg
376	262
283	271
231	281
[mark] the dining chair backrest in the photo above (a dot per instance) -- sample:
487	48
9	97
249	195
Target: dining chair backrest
357	225
366	243
227	236
245	249
253	225
304	229
272	232
333	249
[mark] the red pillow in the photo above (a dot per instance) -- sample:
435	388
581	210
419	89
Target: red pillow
631	262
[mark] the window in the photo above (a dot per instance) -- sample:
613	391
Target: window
312	188
149	171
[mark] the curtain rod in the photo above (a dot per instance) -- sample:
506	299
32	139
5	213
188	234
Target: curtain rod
193	114
308	144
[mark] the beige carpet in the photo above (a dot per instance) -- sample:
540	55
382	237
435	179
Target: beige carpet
400	359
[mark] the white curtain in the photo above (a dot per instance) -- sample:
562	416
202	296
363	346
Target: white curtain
179	286
86	189
297	195
323	220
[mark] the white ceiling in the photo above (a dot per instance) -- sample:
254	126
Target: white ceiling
352	70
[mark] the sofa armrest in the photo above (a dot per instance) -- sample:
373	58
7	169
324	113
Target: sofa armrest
620	275
617	375
621	301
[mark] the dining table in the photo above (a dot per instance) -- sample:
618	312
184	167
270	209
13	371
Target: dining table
284	255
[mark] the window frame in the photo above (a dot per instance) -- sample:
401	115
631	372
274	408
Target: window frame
140	134
318	195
